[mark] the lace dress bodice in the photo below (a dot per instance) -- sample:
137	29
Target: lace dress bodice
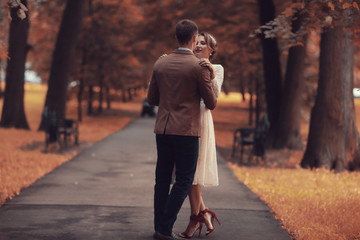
216	82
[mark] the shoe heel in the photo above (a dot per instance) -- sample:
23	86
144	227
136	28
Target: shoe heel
200	228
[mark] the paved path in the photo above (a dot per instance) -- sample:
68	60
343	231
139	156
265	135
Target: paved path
106	192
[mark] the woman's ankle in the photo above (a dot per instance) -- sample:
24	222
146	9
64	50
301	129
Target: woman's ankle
207	219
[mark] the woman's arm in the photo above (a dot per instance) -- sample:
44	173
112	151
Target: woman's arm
218	80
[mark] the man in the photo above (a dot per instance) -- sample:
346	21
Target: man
177	85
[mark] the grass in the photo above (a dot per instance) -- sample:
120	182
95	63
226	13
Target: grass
311	204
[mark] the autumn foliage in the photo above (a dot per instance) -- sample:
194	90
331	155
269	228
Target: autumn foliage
117	45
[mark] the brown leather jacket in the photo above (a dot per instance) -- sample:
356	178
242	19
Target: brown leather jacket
177	84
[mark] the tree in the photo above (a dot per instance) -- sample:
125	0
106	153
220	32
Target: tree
333	140
62	58
272	69
85	48
44	29
220	18
288	124
3	53
13	114
113	50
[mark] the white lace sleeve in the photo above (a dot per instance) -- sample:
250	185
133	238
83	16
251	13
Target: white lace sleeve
219	78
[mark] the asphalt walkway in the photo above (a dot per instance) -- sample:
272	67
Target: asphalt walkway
106	192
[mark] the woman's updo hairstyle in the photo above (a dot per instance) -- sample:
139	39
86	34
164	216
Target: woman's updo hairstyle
210	42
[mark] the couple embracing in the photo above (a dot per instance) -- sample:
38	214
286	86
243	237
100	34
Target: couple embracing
185	86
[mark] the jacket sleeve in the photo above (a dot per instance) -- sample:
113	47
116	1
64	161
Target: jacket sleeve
206	89
153	95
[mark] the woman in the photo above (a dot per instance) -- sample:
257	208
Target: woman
206	171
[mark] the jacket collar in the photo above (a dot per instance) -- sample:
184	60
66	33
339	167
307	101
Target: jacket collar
178	51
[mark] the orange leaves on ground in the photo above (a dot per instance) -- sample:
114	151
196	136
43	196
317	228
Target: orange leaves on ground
318	205
23	161
331	5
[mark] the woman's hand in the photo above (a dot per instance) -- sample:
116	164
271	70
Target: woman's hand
164	55
204	62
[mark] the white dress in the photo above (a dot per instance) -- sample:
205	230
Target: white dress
207	171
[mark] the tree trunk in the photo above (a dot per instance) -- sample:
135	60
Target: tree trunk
1	39
81	84
288	125
130	94
1	79
83	67
13	114
62	58
101	95
251	108
123	95
101	98
242	90
101	84
108	98
90	100
79	97
272	69
257	101
333	140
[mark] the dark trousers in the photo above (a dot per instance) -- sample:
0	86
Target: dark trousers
181	151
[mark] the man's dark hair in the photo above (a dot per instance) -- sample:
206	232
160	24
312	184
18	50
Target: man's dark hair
185	29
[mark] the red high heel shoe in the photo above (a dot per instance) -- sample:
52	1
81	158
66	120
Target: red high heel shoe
213	216
197	220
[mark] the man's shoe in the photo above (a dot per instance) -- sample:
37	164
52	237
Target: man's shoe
160	236
175	236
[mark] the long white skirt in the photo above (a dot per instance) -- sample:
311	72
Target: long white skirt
207	171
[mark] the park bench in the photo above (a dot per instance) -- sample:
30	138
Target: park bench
147	109
68	128
252	137
59	130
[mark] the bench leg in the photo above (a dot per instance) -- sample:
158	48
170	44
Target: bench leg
65	139
76	139
233	149
59	142
46	142
263	158
241	153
